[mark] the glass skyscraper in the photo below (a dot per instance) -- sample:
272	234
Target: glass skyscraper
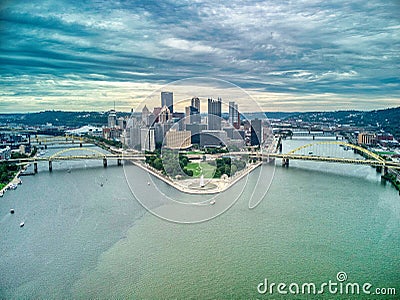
167	99
214	114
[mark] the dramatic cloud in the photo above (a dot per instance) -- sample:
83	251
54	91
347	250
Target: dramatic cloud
291	55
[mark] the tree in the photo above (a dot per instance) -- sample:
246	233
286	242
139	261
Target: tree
234	169
217	174
188	172
157	163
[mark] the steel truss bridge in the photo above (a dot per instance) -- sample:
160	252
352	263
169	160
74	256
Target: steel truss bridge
306	152
59	156
58	140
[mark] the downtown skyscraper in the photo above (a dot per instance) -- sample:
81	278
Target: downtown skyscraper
234	115
195	102
167	99
214	114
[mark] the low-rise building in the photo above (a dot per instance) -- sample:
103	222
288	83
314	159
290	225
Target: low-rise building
89	130
178	139
213	138
366	138
5	153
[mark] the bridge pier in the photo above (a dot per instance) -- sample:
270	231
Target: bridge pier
379	169
280	147
285	162
45	146
119	162
35	169
105	162
50	166
385	170
80	144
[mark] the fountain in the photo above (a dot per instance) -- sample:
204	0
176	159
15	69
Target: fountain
202	185
202	181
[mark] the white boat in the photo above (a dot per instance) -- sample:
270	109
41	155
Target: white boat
148	183
22	224
212	202
13	186
1	194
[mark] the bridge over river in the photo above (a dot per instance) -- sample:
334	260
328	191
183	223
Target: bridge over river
90	153
325	151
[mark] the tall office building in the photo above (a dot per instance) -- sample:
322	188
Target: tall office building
195	103
234	115
112	119
158	134
121	122
192	115
256	132
167	99
165	115
133	132
145	115
214	114
147	139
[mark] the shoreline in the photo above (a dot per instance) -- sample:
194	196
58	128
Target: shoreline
221	185
16	180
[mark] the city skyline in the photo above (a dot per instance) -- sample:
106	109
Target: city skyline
305	56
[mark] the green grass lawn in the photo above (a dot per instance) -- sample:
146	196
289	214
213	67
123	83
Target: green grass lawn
208	170
384	152
194	152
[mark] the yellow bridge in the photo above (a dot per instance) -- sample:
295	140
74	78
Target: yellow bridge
304	153
310	152
301	153
58	140
59	156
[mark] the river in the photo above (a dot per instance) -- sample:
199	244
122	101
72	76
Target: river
86	236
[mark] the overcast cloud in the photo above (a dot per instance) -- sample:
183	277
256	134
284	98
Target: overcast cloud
290	55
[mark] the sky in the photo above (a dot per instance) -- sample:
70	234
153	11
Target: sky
303	55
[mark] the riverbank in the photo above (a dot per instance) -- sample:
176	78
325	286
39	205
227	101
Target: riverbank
186	185
15	181
392	177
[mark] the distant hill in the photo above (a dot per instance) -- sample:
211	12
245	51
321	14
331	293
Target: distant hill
57	118
279	115
261	115
386	119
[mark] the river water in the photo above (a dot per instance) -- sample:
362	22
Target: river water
86	236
